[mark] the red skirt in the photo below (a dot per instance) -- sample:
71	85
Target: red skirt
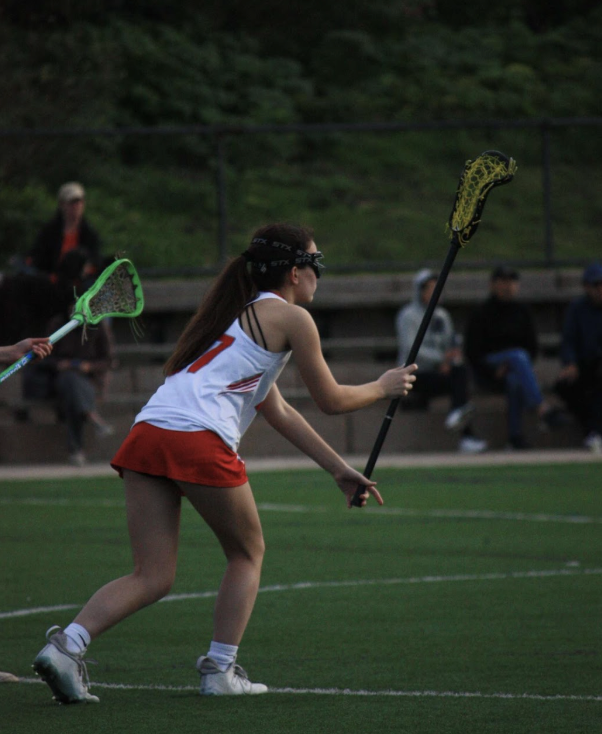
200	457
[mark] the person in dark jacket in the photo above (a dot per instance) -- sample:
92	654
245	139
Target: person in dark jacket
68	230
29	300
501	345
580	379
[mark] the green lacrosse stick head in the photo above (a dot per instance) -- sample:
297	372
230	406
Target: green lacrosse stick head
490	169
117	292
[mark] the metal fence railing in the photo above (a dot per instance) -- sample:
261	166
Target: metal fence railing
543	141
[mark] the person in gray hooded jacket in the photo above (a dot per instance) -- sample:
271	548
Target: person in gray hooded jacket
441	367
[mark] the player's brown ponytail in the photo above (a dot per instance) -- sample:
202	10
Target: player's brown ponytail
234	288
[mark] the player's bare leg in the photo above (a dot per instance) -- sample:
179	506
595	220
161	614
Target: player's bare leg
153	514
232	515
153	511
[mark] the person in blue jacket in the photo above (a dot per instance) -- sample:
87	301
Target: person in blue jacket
580	379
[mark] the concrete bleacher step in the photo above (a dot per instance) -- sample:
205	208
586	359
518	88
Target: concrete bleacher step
46	443
411	431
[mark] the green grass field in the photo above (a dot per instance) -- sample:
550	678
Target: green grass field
469	603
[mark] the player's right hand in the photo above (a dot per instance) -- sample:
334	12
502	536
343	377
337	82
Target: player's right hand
40	346
399	381
349	480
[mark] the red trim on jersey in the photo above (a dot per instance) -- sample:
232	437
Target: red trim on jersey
200	457
225	341
246	384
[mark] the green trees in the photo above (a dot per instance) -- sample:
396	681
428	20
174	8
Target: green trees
111	64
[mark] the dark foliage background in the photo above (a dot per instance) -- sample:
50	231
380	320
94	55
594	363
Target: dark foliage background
110	65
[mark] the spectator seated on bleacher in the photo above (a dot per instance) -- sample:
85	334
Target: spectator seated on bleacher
580	379
501	345
28	300
441	368
75	377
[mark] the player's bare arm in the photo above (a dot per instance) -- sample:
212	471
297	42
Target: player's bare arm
328	395
291	424
41	347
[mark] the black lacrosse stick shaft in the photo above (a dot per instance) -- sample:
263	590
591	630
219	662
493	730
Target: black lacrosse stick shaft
410	359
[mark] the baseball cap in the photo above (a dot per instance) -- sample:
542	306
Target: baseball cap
70	191
593	273
504	272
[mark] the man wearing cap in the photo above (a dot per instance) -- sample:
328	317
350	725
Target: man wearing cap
580	379
68	230
501	344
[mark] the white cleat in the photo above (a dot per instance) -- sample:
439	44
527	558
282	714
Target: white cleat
233	682
63	671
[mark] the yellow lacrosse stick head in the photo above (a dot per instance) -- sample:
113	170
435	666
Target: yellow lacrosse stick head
490	169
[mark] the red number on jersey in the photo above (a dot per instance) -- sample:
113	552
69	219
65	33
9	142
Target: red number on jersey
225	341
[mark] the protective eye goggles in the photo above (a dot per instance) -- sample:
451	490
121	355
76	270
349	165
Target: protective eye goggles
296	257
313	261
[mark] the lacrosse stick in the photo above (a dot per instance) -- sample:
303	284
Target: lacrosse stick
116	292
478	177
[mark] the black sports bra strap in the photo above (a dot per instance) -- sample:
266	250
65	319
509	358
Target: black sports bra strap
251	308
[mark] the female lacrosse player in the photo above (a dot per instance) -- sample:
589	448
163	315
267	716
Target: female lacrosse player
184	442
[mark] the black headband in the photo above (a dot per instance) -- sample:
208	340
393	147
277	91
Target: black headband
295	256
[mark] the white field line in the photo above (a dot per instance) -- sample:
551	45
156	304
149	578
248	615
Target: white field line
448	514
61	502
305	585
443	513
350	692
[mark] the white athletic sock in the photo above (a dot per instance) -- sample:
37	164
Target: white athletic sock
223	655
78	638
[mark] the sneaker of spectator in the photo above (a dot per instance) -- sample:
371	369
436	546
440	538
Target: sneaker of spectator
472	445
101	427
78	458
593	442
456	419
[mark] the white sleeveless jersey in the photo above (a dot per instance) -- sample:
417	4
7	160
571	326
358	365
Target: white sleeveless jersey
221	391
